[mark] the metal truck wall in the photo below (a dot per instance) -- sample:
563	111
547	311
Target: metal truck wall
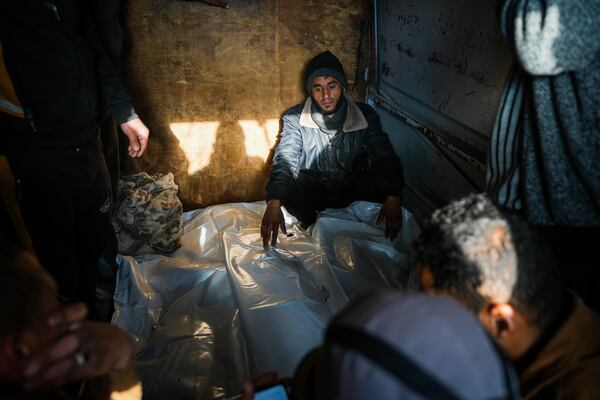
212	83
441	68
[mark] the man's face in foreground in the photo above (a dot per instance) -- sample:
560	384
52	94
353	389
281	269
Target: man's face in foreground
327	93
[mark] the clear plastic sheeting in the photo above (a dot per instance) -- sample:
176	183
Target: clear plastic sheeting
355	246
221	308
286	296
184	322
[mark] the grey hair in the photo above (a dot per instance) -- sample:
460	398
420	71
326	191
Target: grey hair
482	255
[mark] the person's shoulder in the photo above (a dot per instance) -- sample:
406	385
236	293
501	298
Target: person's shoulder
294	111
580	381
368	111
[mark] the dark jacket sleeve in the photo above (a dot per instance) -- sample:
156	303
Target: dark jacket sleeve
385	164
287	157
114	95
552	36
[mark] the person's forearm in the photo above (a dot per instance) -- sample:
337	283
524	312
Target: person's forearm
553	36
274	203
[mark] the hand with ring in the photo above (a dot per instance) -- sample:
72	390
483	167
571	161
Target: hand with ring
85	350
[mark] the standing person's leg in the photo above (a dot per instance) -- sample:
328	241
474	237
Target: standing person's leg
92	217
60	191
44	193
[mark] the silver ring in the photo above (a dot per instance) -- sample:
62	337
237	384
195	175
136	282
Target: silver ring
79	358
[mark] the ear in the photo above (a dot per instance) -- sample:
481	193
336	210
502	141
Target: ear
427	282
499	319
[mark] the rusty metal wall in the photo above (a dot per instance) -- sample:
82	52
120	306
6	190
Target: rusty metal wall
212	83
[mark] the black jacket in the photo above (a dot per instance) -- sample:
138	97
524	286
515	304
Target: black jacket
58	64
304	146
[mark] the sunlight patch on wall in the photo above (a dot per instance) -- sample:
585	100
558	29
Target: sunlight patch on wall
196	140
259	139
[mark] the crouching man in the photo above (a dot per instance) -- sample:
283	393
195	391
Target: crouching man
332	152
498	267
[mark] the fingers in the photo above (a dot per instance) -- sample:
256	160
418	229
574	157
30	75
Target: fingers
395	225
69	314
134	145
267	379
248	390
250	387
274	234
52	376
52	362
272	222
269	232
137	133
263	233
282	226
143	143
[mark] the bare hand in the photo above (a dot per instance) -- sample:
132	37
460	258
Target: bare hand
106	348
269	379
137	133
391	211
272	221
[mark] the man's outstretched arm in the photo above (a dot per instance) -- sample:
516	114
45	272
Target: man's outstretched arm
283	173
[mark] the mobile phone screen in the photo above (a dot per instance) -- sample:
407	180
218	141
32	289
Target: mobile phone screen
276	392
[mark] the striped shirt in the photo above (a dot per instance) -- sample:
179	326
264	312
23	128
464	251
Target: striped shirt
505	146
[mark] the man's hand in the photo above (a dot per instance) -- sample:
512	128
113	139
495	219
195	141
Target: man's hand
269	379
105	348
137	133
272	221
391	211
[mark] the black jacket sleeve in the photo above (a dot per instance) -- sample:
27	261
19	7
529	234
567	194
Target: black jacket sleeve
286	160
385	164
114	95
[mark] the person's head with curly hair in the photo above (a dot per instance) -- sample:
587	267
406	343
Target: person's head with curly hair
493	263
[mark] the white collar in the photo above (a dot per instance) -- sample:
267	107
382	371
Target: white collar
355	119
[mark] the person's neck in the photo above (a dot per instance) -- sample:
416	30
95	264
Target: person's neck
522	340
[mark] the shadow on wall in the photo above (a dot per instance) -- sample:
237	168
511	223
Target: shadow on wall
234	158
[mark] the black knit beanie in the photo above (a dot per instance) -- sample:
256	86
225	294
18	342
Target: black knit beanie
325	64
